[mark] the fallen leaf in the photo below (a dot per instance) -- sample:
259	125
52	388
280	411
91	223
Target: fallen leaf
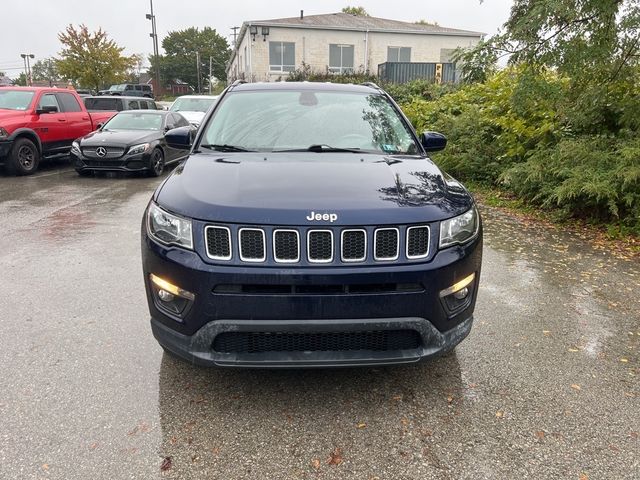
93	446
362	425
335	457
397	398
166	464
575	386
315	463
624	360
540	434
499	414
404	421
546	332
584	476
449	399
574	350
45	466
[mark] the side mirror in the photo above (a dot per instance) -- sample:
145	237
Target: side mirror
180	138
433	141
99	126
47	109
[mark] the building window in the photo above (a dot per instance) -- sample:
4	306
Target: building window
398	54
340	58
282	56
246	60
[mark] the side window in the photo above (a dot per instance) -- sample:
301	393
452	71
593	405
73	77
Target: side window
152	105
133	105
171	121
49	100
128	87
146	88
138	87
144	105
69	102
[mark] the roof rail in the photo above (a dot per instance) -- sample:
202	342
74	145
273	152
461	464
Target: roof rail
371	84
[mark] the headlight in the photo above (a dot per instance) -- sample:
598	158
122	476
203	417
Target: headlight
136	149
3	134
167	228
459	229
75	148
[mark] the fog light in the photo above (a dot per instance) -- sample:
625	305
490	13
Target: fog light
166	296
169	297
461	294
457	297
170	288
456	287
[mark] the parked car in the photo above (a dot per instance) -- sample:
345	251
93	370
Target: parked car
132	140
309	228
115	103
37	123
129	89
84	92
193	107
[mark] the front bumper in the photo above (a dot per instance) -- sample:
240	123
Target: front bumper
197	348
132	163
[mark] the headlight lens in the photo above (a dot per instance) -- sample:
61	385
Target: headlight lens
3	134
75	148
459	229
136	149
167	228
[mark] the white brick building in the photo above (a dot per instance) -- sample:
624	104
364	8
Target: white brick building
267	50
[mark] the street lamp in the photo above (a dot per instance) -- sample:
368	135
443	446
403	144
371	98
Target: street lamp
154	35
27	66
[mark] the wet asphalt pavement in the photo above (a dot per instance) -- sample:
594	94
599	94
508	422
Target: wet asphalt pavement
546	386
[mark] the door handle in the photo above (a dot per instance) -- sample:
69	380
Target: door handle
62	119
85	118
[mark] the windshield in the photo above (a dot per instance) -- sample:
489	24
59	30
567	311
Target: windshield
134	121
117	88
297	120
15	99
192	104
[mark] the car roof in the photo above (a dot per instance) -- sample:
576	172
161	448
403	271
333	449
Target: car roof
198	96
39	89
123	97
146	112
315	86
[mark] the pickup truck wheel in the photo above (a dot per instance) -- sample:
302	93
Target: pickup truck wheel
24	157
157	163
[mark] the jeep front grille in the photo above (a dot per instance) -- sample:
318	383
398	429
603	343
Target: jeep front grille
320	246
252	245
314	246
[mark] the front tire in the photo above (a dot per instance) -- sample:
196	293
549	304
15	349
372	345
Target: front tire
156	166
24	157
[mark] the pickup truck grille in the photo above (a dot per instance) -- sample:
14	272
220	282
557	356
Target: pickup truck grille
317	246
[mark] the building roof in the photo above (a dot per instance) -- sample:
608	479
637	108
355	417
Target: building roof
348	21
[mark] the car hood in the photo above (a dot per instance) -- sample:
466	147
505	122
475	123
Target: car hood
118	138
192	116
284	188
12	116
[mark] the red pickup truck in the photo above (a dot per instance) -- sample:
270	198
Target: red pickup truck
37	123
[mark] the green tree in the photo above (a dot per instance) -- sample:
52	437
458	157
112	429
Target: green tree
46	69
358	11
21	80
422	21
179	60
91	59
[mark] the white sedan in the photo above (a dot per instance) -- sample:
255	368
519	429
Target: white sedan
193	107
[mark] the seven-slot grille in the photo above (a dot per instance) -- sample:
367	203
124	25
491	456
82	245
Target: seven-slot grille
289	245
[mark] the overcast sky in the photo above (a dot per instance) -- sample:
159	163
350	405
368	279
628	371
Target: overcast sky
32	27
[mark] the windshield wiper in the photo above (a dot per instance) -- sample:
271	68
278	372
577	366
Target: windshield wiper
226	148
322	147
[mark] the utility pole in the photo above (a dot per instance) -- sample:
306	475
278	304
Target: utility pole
156	50
198	72
210	72
235	35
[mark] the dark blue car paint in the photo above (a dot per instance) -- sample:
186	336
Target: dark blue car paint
265	189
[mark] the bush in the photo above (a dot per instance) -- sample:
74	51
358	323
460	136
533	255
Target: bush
525	131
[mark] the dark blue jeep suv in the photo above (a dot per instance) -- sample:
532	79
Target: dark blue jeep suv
309	228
